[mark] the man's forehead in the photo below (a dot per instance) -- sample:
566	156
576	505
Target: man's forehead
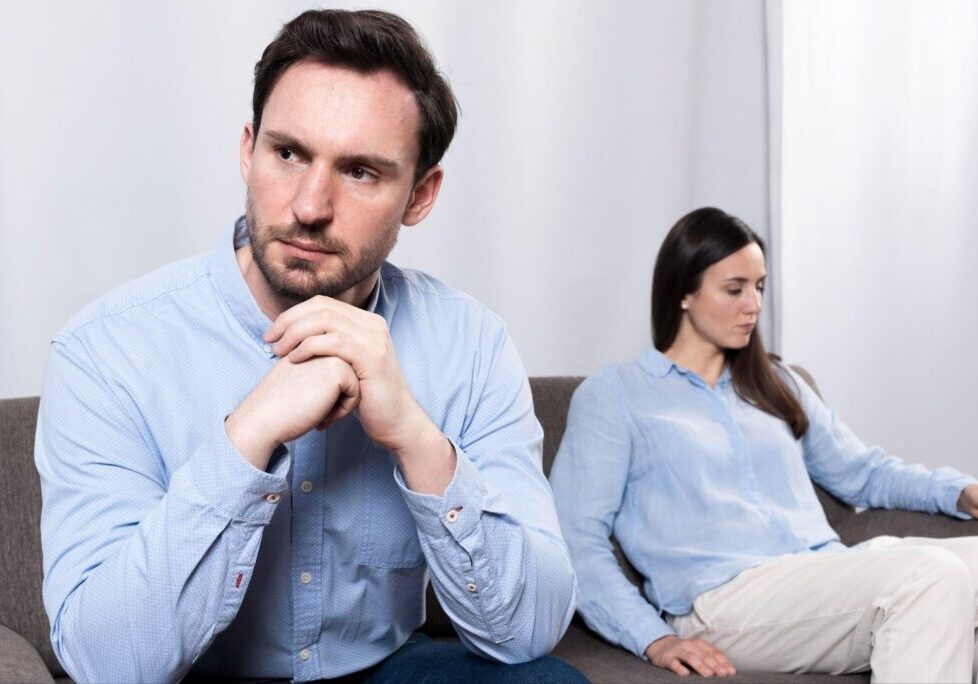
320	103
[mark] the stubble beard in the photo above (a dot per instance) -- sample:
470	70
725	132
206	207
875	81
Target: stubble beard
296	279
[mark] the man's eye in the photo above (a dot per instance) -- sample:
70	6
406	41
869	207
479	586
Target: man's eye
360	173
286	153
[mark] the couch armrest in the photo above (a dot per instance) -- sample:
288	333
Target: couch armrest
19	662
876	521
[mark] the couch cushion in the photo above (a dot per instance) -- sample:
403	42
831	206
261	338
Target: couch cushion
607	664
19	662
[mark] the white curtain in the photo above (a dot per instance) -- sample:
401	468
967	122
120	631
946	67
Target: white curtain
879	216
587	129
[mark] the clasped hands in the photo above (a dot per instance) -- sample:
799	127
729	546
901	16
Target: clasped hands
335	358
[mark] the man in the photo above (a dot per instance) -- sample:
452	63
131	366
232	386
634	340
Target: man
250	460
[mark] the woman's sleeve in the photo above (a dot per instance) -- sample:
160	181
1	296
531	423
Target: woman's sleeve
589	477
867	476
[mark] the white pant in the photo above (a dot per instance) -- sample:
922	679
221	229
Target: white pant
907	609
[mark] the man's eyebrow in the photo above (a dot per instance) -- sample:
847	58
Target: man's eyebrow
372	160
286	140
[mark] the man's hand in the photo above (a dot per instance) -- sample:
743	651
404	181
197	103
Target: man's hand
322	327
672	653
289	402
968	501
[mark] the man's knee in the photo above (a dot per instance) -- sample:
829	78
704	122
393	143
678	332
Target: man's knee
545	670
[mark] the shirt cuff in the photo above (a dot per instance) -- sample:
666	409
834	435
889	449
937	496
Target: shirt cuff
643	632
231	485
950	492
458	510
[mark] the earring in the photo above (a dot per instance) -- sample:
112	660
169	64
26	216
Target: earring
684	306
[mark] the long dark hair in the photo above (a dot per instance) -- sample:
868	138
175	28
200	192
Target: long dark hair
698	240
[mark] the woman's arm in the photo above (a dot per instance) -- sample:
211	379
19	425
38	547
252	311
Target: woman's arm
868	477
589	476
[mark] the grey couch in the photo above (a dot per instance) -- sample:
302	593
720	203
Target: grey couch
26	654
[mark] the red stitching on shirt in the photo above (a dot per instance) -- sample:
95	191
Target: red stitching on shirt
237	581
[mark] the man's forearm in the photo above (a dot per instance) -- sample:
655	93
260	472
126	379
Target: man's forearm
507	585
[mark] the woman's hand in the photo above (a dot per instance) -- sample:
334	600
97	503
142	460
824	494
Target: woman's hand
968	501
672	653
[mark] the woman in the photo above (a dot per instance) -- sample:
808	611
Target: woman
699	457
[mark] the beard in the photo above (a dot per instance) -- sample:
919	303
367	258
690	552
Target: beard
297	279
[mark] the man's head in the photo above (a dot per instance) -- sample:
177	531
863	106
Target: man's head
366	41
350	122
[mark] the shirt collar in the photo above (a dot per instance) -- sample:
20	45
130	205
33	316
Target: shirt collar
236	293
659	365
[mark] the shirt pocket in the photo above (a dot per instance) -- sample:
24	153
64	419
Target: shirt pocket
389	537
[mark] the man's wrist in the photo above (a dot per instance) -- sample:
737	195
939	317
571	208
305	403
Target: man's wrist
428	462
253	445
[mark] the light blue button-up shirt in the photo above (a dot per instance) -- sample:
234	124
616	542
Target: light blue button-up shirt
697	485
164	549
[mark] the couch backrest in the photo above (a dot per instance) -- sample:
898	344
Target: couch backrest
21	608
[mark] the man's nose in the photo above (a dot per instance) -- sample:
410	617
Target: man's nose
313	202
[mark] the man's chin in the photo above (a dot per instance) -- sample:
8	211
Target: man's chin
299	285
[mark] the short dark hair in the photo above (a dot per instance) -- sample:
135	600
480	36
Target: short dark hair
367	41
697	241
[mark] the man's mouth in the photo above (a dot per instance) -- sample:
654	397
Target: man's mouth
305	250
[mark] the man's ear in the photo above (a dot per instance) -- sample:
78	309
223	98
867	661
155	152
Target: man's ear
247	150
423	196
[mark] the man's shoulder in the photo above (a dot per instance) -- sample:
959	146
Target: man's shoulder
423	289
139	294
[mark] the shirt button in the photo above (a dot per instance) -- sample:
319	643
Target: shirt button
304	654
267	348
272	498
451	516
305	577
306	486
471	587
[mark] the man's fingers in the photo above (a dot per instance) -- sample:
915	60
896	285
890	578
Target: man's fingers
308	307
315	323
330	344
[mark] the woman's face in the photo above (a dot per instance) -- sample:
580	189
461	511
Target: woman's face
723	312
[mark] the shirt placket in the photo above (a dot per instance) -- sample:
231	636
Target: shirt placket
727	396
308	479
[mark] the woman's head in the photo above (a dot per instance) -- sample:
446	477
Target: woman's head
707	286
708	281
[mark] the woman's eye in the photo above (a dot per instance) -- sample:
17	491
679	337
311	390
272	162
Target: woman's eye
734	293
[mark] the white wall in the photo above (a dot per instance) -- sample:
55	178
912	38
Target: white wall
880	237
588	128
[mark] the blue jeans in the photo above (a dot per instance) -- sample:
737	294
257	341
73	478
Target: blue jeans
425	661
